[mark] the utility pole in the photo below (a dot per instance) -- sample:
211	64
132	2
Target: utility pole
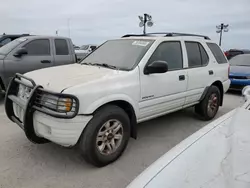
220	29
145	20
69	27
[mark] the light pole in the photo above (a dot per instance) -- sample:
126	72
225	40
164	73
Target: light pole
69	27
220	29
145	19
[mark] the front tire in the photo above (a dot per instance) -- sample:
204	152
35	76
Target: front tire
106	136
208	107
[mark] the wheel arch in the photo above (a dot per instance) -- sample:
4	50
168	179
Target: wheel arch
2	86
218	84
123	102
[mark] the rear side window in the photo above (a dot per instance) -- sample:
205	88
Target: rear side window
61	47
219	56
38	47
204	56
197	55
171	53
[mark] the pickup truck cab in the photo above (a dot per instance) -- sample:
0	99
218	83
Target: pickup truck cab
96	104
31	53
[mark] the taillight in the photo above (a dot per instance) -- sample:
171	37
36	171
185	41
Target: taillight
226	54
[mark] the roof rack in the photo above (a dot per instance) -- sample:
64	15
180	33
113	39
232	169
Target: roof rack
165	34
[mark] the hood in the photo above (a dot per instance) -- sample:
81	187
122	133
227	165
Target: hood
240	70
62	77
2	57
215	156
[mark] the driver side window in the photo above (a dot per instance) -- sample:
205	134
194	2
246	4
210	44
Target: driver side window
171	53
38	47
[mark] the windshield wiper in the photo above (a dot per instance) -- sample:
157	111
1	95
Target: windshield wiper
101	65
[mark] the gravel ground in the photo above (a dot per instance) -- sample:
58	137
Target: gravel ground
26	165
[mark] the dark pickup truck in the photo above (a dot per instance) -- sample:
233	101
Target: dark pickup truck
30	53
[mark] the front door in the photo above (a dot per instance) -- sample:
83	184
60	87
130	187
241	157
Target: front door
163	92
39	56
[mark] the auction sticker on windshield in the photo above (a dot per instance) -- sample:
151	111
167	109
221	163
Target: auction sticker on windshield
140	43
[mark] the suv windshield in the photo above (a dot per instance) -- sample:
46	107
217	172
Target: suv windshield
84	47
240	60
123	54
4	50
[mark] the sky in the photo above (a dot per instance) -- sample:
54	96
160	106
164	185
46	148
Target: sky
95	21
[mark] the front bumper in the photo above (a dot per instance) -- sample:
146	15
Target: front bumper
65	132
38	121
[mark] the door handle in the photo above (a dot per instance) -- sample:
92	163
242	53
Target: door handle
182	77
45	61
211	72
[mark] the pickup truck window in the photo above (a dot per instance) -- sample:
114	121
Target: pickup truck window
4	50
61	47
123	54
38	47
171	53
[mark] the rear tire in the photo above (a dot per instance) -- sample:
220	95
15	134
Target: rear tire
106	136
208	107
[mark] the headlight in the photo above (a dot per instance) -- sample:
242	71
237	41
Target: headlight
23	92
64	104
56	103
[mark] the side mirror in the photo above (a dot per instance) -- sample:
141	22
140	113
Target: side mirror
21	52
156	67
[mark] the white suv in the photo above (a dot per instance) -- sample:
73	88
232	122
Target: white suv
97	104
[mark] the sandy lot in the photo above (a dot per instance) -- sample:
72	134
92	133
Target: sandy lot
26	165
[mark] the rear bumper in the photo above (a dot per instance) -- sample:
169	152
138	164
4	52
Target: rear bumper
226	85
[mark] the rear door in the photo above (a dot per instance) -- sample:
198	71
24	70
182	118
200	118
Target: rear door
63	55
39	56
200	71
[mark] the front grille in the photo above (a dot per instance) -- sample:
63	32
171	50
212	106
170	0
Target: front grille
238	77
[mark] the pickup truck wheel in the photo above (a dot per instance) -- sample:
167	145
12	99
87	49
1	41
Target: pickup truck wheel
209	106
106	136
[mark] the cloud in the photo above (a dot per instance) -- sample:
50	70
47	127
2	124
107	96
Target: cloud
98	20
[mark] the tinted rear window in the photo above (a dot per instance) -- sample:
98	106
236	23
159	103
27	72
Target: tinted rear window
219	56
